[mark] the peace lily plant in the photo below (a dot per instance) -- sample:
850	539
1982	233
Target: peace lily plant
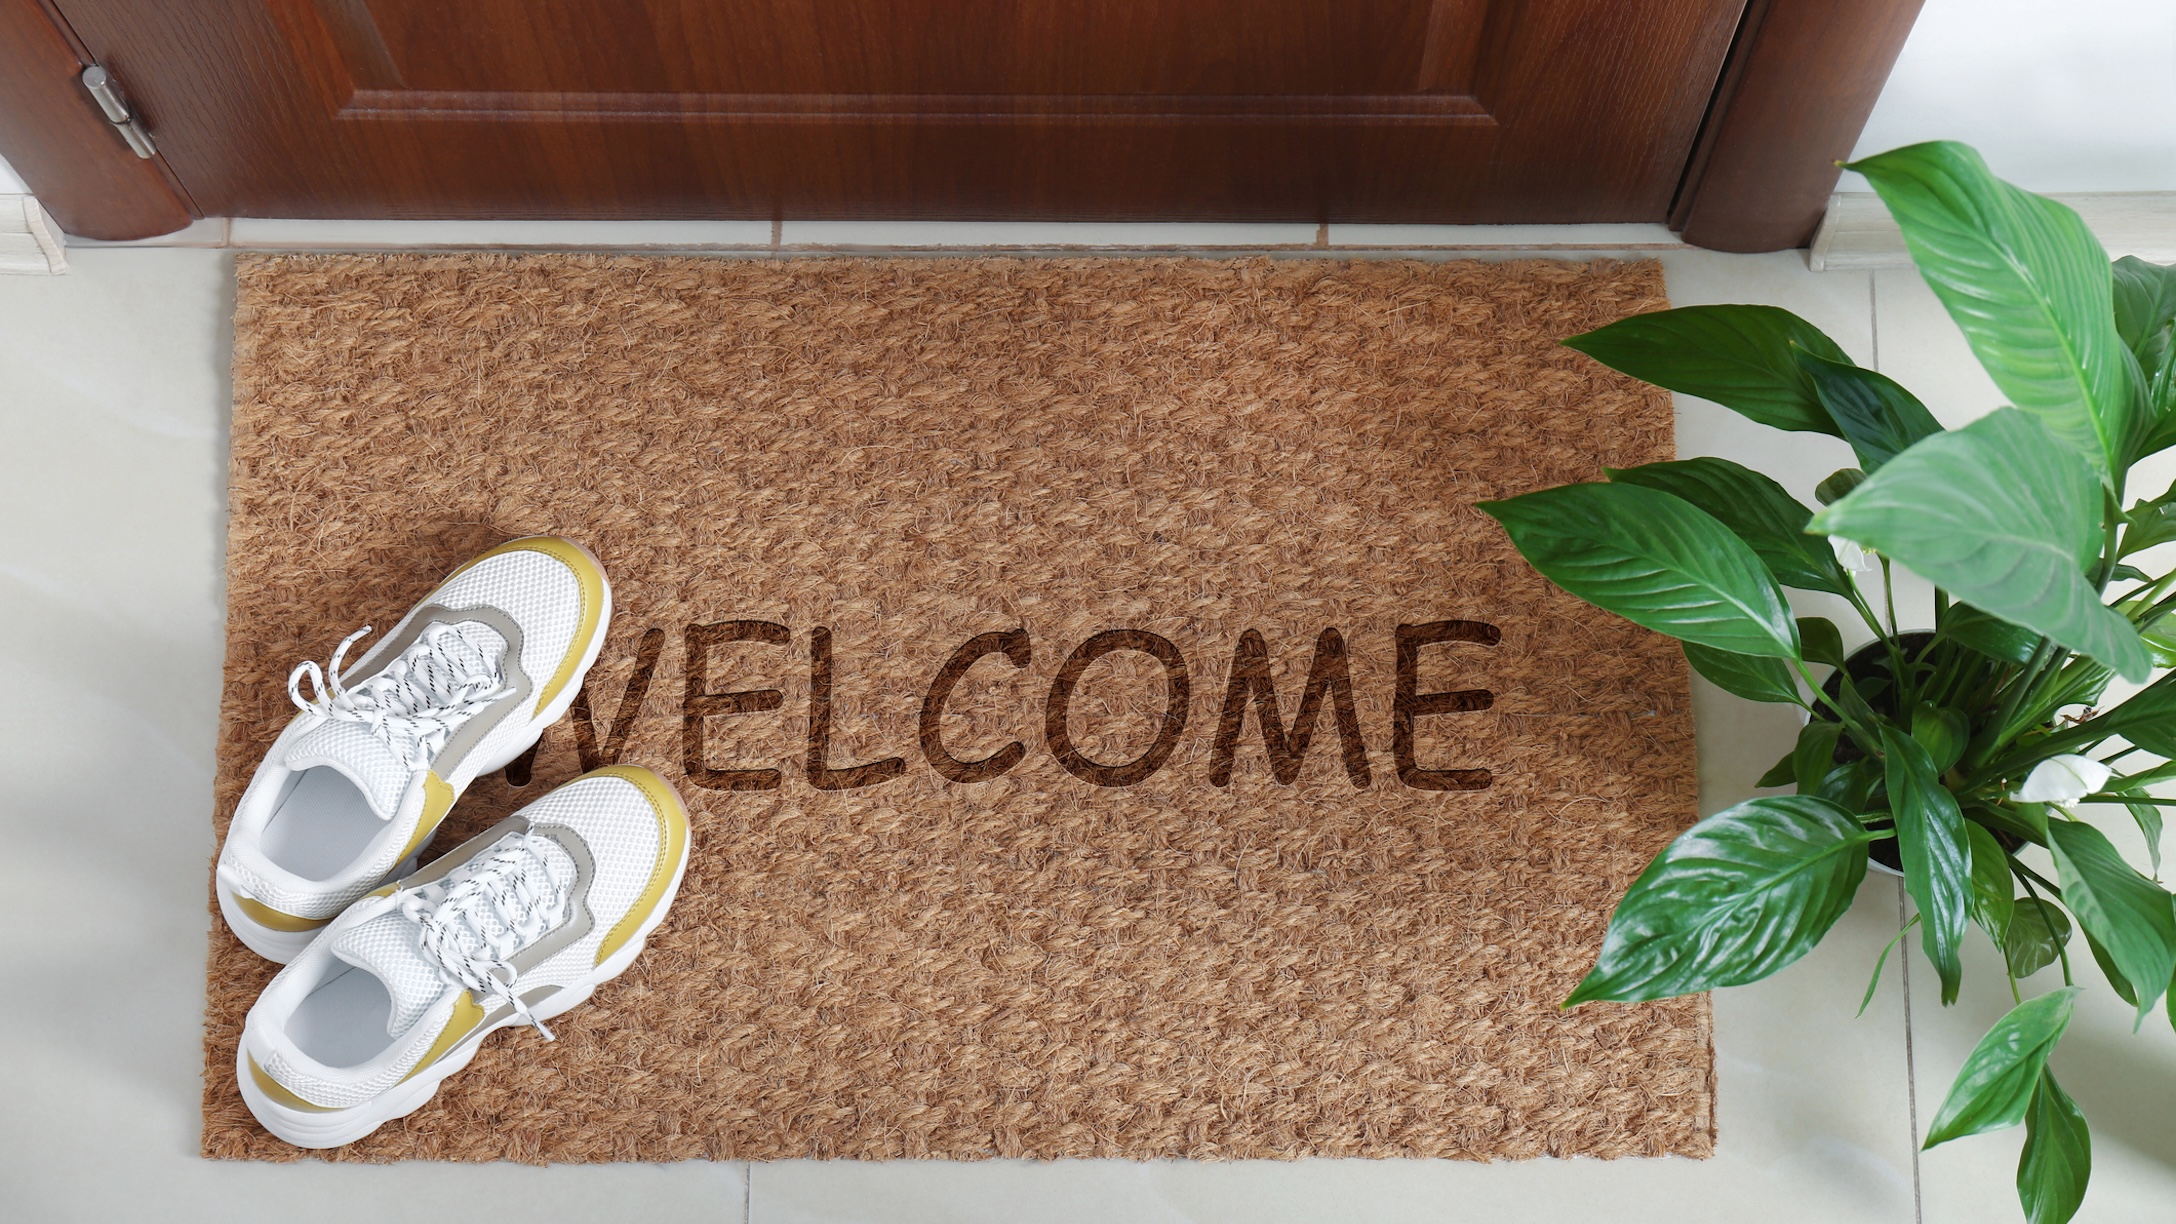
1963	749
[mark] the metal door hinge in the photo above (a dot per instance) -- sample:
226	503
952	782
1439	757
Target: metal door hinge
106	91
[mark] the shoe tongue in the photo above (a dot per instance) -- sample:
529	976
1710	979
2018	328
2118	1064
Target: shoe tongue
359	756
390	947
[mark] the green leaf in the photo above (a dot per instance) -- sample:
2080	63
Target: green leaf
1738	356
2148	719
1991	636
1942	732
1851	786
1930	839
2145	303
1655	560
2148	816
2149	523
1994	900
2005	519
2058	1155
1747	676
2035	937
1735	898
2029	286
2126	913
2116	981
1838	485
1757	509
1879	418
1815	754
1819	641
1779	774
1995	1085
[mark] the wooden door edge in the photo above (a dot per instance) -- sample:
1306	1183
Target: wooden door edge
56	139
1801	78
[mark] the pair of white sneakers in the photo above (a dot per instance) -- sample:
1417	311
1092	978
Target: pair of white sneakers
393	980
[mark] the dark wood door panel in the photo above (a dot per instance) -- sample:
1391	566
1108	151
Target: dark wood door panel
1388	110
1184	47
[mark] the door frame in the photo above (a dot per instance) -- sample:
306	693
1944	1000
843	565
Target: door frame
1793	94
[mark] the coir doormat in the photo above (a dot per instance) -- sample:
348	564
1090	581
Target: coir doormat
1110	729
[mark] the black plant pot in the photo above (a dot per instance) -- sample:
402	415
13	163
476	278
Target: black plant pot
1869	668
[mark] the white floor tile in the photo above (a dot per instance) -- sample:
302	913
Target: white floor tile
1041	235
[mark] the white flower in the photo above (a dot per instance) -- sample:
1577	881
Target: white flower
1851	556
2063	779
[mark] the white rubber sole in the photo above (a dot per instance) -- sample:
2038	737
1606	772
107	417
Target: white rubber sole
279	946
334	1127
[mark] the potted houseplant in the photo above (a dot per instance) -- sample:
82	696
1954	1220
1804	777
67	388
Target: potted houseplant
1963	745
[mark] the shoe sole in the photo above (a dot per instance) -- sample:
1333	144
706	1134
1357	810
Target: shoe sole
332	1128
280	946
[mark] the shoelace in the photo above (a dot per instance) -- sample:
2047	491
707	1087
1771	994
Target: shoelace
490	909
418	701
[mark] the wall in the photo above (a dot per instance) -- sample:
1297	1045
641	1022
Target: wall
2060	97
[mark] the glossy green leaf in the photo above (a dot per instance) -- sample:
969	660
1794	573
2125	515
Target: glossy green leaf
2128	915
1878	417
1991	636
1838	485
1994	896
2145	302
2029	286
1747	676
1850	786
1819	641
2149	523
1655	560
1779	774
1756	508
1815	754
2002	517
1995	1085
1942	732
2116	981
1735	898
2035	937
1937	859
1738	356
2148	719
2058	1156
2148	817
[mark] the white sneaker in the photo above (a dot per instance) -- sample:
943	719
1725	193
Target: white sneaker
514	926
359	781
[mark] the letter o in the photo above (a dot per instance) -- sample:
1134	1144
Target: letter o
1177	689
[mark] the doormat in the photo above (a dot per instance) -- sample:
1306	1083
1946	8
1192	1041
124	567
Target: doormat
1108	726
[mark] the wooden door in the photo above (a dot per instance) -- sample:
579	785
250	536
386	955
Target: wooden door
1315	110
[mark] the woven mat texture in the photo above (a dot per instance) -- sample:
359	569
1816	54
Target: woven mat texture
889	458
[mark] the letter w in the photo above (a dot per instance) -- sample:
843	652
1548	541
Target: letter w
1327	674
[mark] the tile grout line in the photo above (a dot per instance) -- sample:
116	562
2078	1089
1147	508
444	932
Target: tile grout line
747	1190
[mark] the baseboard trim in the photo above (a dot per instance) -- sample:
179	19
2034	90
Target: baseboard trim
1858	234
30	244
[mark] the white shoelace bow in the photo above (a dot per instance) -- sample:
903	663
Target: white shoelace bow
491	908
418	701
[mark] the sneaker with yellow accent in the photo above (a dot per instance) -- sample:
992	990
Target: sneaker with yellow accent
515	926
360	779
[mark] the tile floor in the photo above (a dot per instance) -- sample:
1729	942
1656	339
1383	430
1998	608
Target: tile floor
113	411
